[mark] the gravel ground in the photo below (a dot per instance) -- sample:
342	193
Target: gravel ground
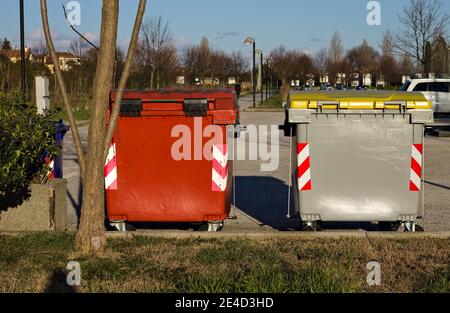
262	197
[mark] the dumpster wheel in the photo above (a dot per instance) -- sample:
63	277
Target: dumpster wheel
311	226
211	226
121	226
412	227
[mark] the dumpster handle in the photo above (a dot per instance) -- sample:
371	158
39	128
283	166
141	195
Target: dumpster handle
320	105
401	105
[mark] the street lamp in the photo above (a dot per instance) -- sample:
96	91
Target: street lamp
22	48
259	51
251	41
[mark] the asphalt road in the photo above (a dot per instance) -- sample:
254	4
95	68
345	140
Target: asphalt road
262	197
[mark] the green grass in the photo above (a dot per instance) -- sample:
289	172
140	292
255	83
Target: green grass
37	263
273	102
80	113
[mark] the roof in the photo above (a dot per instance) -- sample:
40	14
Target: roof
14	53
66	55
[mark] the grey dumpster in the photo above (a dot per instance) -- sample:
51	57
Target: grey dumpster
358	156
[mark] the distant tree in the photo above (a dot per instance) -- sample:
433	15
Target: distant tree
40	51
335	57
428	58
6	44
289	65
363	59
423	21
406	65
388	66
238	66
387	44
156	47
440	56
320	62
78	47
304	67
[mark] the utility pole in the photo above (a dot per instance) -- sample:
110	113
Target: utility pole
254	74
262	78
22	49
248	41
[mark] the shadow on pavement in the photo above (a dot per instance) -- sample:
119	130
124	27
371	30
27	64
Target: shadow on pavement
76	200
265	199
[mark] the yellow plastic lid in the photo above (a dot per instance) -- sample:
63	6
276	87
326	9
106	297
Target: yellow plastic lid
358	100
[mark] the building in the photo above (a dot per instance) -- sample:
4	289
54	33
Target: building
14	55
66	61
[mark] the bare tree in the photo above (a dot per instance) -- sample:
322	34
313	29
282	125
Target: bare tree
78	47
335	57
440	57
406	65
423	21
91	236
156	46
40	49
363	59
320	62
288	65
387	44
239	65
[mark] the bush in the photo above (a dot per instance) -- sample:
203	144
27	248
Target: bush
25	137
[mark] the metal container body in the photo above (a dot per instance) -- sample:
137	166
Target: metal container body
360	168
153	184
358	164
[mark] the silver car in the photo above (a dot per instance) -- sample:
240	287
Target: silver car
435	90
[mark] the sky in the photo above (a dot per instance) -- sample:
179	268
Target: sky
301	24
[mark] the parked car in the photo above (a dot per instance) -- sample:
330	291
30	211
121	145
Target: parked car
326	86
361	87
436	90
341	87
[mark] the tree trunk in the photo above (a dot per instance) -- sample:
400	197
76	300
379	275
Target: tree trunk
158	83
91	238
152	78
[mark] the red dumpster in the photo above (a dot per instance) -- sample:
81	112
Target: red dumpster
168	161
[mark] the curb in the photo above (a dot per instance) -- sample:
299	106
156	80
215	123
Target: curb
264	110
330	235
82	123
269	234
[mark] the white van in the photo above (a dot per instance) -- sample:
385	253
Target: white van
435	90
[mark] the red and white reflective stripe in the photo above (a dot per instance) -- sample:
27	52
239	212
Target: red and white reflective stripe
51	165
303	167
220	168
110	170
415	183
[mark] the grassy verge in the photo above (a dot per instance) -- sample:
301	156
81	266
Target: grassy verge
80	113
81	107
37	263
273	102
